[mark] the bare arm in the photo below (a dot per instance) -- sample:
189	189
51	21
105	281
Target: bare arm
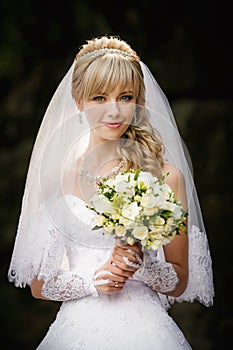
68	285
176	252
36	287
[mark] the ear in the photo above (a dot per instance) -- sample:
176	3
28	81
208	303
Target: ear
79	105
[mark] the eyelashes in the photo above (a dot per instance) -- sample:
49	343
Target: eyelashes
101	98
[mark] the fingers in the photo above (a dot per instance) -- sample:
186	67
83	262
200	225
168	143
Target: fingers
128	259
107	282
132	248
124	261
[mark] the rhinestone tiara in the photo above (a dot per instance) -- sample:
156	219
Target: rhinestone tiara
103	51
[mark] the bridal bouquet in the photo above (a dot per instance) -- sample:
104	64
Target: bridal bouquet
137	207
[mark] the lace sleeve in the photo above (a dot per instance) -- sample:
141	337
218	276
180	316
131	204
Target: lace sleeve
159	275
200	283
67	285
40	254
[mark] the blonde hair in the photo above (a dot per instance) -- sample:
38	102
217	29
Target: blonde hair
101	65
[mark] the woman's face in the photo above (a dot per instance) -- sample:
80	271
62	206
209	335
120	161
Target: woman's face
109	114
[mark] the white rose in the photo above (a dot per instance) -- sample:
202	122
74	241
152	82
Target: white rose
120	230
159	221
130	240
140	232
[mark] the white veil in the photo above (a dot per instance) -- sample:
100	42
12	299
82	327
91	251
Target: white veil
63	126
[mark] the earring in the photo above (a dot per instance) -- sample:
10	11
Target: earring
135	117
80	117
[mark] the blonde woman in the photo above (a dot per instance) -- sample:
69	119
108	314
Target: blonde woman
107	115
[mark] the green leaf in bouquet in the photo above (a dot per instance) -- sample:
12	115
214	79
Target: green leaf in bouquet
96	228
165	214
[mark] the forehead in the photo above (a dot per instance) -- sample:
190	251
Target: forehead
105	75
119	90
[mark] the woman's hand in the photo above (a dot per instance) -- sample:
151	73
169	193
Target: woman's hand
111	277
127	257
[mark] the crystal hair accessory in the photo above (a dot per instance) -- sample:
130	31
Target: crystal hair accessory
102	52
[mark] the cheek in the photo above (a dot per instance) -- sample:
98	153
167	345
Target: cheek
93	117
129	110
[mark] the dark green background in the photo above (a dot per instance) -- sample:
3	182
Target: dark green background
187	46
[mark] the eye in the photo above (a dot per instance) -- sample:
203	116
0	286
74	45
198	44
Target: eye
127	97
98	98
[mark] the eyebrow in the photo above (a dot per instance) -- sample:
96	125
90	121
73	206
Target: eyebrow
121	93
127	92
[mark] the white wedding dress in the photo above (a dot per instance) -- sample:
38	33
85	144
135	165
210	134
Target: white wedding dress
129	320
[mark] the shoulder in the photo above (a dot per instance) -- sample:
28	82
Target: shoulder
174	174
175	179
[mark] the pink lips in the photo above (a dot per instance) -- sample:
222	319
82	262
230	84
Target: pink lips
112	125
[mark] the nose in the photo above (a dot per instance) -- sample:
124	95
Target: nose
112	109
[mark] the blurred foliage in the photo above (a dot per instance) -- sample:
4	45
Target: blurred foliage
186	45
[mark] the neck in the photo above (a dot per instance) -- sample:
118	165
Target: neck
101	152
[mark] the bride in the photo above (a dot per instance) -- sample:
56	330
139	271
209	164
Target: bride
107	115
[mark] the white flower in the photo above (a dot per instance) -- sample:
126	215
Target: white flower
137	198
110	182
115	216
167	228
155	245
148	201
100	220
157	229
131	205
156	235
159	221
130	240
131	211
149	211
170	221
108	231
147	178
176	209
140	232
121	177
124	187
120	230
160	202
166	191
129	224
102	204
